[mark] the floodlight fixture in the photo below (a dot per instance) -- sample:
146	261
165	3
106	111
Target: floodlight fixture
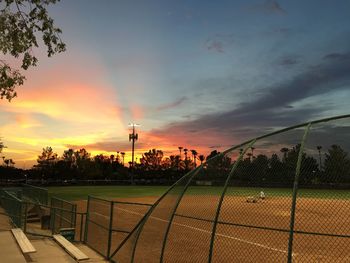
133	137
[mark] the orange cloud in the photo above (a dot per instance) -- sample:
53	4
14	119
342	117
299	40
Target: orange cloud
62	103
26	121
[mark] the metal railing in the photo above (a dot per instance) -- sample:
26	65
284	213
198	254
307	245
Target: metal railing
63	214
41	219
13	207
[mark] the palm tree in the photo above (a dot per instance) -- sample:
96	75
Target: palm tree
186	162
319	154
180	149
9	162
123	155
194	154
112	157
117	158
185	152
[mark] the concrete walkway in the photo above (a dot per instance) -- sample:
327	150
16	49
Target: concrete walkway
5	223
47	250
9	250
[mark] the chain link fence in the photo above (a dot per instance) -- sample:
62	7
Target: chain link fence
282	197
25	207
12	207
35	194
62	214
109	222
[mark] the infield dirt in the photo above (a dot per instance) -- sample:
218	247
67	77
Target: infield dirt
246	232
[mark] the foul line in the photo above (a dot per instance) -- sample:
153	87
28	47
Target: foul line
208	232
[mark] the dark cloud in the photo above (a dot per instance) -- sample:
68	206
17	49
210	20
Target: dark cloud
272	108
172	104
219	42
288	61
315	81
216	45
336	56
269	7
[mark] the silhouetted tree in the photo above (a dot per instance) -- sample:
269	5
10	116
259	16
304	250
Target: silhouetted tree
260	168
82	159
194	154
152	160
46	162
20	23
336	165
250	156
284	150
218	165
277	169
123	156
9	162
201	158
1	146
180	149
252	149
186	161
69	157
319	148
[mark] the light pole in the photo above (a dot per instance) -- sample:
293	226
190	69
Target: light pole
133	137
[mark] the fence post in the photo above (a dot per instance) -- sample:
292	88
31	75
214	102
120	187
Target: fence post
53	220
74	216
61	214
295	193
87	220
25	217
81	227
221	200
110	230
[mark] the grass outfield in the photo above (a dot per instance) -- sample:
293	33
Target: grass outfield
109	192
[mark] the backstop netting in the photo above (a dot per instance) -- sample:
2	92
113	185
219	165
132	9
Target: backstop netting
281	197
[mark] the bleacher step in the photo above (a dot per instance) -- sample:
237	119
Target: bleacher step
33	220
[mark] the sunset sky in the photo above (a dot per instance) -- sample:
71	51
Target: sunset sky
199	74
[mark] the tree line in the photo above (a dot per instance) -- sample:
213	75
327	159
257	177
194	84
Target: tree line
330	167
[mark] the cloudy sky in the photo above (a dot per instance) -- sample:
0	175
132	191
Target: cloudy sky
198	74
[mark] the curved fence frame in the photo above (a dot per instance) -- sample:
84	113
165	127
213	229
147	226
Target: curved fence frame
132	241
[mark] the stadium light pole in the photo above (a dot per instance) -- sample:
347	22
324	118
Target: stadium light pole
133	137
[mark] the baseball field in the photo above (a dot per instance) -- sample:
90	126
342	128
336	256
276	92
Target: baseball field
245	232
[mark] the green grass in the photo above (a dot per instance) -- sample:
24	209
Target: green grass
109	192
